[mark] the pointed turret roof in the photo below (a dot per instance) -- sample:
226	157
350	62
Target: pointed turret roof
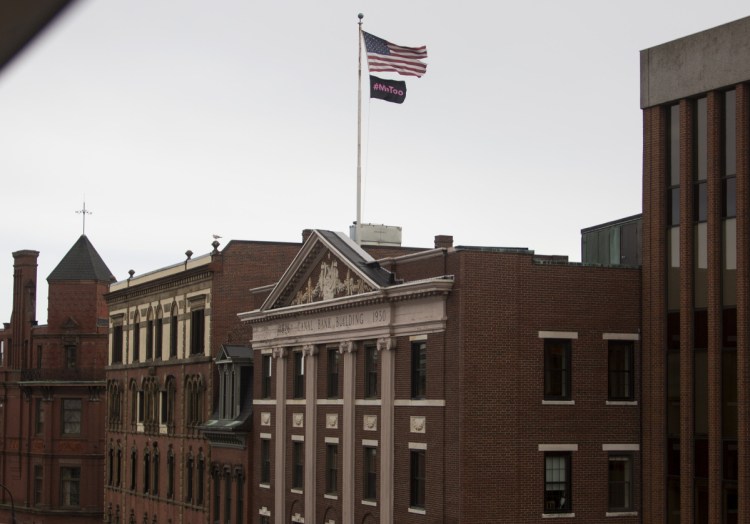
82	262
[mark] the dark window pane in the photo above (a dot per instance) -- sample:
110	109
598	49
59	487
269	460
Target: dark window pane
673	206
701	202
729	197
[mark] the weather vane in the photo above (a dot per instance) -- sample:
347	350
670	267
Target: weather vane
84	212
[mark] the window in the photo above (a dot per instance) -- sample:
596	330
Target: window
170	474
117	344
136	341
620	369
620	483
240	493
557	369
110	466
38	416
146	471
265	520
298	465
39	357
418	369
155	467
417	478
557	483
371	371
332	471
173	333
369	473
150	338
265	382
70	486
38	483
133	468
159	336
118	466
201	477
197	331
189	478
217	495
71	416
299	375
265	461
227	497
333	373
194	399
70	357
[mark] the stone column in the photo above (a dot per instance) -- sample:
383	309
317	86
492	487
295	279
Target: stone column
348	349
280	355
310	354
386	347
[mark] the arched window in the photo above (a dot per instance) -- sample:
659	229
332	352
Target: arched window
201	477
189	465
133	468
118	466
155	468
134	400
110	465
150	335
173	331
194	400
159	335
135	335
170	473
168	404
146	471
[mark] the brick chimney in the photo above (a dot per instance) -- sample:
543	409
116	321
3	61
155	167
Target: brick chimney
445	241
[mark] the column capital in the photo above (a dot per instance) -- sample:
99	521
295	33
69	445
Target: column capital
310	350
280	352
386	343
347	347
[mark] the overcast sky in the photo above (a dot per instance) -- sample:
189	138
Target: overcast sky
177	120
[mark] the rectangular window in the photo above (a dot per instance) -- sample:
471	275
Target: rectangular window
71	416
265	381
371	371
265	461
298	464
217	497
38	416
417	478
38	483
369	473
620	483
557	354
70	486
150	339
620	360
197	332
117	344
332	471
557	483
333	373
299	375
418	369
70	357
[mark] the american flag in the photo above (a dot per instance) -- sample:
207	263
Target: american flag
385	56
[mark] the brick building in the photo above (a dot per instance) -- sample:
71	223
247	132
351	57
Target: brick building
179	386
695	98
458	384
53	391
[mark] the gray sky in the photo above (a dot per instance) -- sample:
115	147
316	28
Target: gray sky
177	120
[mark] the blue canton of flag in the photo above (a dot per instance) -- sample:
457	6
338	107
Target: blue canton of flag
385	56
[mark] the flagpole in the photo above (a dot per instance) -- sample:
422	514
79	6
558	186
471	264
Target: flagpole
357	227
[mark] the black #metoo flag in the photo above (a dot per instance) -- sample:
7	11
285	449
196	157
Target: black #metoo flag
390	90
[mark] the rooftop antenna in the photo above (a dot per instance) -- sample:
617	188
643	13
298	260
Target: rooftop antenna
84	212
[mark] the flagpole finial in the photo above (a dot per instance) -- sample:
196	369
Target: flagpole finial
360	16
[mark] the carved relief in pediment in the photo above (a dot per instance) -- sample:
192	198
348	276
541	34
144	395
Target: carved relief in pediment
328	284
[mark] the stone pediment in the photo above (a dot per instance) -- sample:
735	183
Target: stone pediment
329	266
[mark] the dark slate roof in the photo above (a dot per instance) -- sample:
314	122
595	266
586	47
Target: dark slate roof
82	262
352	252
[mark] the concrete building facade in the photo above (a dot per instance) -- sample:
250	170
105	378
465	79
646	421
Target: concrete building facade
695	98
